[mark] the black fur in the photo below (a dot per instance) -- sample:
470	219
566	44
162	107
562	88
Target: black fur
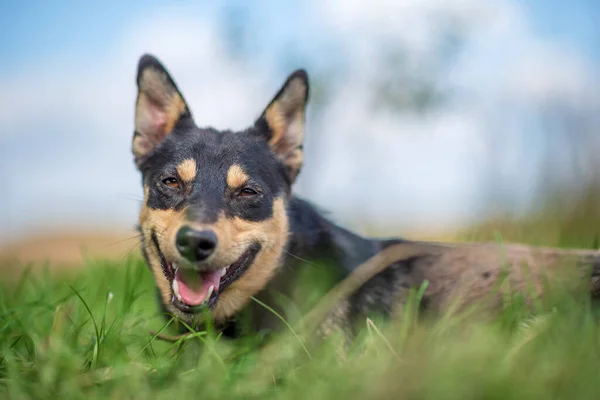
313	240
214	152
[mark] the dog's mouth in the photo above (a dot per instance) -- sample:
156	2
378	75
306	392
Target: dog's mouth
192	290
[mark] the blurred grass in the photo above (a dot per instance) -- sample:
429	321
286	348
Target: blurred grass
569	220
53	346
86	335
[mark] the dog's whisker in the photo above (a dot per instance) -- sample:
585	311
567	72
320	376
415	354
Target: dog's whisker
129	252
117	242
304	260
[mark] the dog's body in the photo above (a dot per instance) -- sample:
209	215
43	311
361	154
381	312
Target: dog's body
219	223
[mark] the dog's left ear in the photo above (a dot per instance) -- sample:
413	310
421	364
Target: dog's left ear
159	107
282	122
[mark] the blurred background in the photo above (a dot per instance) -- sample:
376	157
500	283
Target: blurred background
428	118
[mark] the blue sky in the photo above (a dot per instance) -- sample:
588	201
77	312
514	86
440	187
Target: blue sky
575	22
39	29
66	86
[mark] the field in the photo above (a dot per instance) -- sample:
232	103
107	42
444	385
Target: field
87	335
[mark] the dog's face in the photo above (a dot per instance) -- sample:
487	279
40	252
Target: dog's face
214	222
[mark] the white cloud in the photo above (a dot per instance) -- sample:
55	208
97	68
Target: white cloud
66	126
432	169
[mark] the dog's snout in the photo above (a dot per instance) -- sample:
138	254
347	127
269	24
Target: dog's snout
196	245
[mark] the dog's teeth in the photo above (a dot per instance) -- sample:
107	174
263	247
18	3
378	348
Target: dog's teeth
223	271
176	290
210	291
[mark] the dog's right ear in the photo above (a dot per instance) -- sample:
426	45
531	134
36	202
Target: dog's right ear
159	107
282	122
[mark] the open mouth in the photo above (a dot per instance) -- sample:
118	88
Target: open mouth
194	289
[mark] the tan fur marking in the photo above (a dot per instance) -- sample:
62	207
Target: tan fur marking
159	107
235	235
159	90
273	235
236	177
174	111
276	120
461	277
165	224
287	136
294	162
285	117
187	170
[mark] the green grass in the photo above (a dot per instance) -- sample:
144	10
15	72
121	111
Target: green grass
87	336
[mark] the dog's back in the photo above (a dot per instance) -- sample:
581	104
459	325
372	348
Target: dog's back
219	224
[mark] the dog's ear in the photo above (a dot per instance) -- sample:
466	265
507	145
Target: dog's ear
159	107
282	122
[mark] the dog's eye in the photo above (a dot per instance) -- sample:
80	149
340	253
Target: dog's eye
247	192
171	182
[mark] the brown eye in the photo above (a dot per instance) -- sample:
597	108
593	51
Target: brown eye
247	192
171	182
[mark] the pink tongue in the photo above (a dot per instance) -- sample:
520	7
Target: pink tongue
193	286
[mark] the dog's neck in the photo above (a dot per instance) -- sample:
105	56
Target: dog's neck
316	243
314	238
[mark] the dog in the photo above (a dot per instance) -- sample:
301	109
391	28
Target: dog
219	223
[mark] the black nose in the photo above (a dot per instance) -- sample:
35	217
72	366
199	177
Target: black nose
195	245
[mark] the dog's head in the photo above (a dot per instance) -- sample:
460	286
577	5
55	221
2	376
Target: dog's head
214	222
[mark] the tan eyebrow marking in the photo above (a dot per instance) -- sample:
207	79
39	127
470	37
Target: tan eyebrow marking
236	176
187	170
